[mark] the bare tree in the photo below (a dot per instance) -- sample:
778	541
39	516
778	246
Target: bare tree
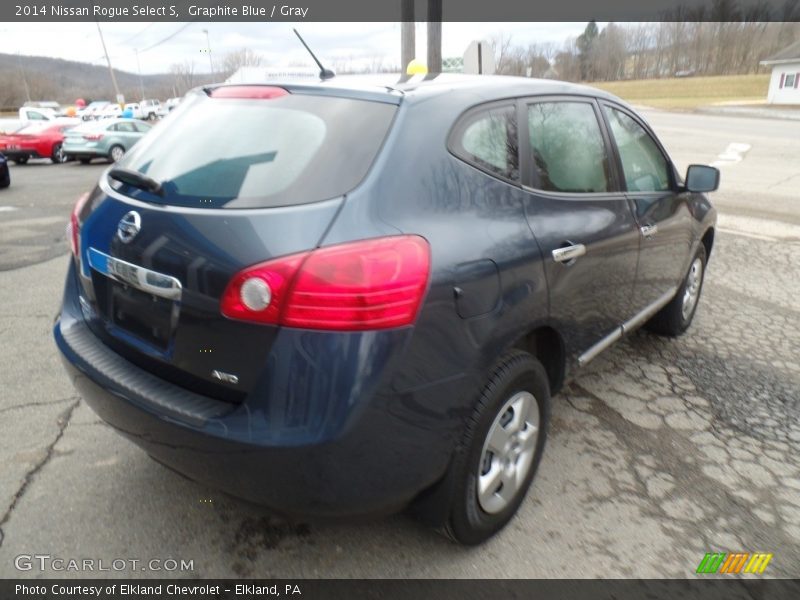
244	57
501	44
183	76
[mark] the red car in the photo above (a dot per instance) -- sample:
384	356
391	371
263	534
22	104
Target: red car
36	141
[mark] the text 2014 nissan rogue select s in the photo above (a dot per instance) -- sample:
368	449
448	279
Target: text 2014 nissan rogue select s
349	297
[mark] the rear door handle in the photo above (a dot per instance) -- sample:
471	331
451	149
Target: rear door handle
649	231
568	253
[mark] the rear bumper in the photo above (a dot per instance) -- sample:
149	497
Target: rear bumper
84	153
324	447
22	153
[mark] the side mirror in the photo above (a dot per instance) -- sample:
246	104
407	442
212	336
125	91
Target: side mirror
701	178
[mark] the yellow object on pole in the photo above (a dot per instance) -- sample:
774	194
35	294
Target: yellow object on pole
416	67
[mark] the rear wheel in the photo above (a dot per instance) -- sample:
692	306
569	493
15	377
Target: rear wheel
498	456
675	317
21	160
116	153
57	156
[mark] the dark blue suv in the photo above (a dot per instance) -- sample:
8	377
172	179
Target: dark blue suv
352	296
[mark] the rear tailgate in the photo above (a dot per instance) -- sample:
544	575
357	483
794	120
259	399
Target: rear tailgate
246	175
178	331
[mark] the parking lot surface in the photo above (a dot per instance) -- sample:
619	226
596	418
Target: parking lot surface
660	451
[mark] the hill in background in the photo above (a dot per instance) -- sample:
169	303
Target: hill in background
65	80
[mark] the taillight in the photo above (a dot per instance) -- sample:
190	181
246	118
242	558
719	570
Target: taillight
93	137
250	92
75	226
370	284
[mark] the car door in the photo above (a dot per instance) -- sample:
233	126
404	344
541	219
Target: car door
662	213
126	133
581	219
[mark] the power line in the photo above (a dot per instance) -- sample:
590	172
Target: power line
135	35
169	37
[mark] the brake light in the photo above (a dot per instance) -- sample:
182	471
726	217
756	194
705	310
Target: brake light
93	137
255	92
75	226
370	284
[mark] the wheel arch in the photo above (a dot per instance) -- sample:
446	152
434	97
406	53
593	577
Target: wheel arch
708	241
546	344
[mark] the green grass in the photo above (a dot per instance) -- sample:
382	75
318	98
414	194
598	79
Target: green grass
690	92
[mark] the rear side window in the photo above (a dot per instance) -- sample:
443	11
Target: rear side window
255	153
568	153
645	168
487	138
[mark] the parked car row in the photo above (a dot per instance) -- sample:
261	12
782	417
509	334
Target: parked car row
68	139
147	110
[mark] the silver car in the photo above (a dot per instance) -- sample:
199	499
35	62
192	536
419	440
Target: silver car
108	138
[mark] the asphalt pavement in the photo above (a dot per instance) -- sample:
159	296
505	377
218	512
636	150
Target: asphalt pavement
660	451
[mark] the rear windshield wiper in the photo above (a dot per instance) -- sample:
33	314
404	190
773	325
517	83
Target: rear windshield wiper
136	179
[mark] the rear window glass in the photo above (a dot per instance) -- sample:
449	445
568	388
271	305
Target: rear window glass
253	153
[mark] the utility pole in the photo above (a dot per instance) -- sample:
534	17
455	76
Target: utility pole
407	34
139	68
434	36
120	98
208	49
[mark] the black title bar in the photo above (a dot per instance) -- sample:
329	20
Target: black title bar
390	10
394	589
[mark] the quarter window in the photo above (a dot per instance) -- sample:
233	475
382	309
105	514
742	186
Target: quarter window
488	139
568	153
644	166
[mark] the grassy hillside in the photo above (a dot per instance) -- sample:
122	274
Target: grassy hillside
690	92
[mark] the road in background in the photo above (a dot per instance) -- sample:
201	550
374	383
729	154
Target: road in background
660	451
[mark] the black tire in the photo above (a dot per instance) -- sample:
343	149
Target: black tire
57	157
85	161
4	183
453	506
672	320
21	160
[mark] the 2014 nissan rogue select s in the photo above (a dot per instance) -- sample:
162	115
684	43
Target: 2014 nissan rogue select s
351	296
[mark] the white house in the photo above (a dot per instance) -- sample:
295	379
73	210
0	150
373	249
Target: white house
784	85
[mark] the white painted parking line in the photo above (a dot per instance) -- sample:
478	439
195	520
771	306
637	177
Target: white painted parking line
733	154
8	208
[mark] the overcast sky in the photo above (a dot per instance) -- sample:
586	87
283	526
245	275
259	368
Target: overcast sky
358	43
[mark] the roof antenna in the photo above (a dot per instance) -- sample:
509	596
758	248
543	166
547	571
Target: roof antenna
323	72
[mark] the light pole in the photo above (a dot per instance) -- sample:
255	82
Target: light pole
139	68
208	49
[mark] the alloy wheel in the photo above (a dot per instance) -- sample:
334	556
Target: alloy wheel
508	452
692	290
